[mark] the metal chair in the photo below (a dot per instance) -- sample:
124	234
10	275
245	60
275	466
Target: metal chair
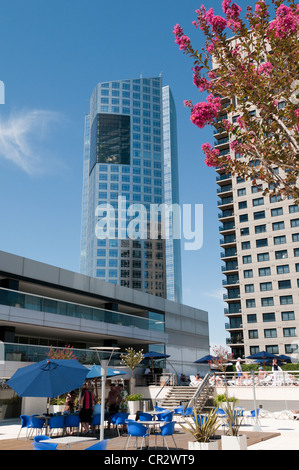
57	422
25	424
166	430
44	446
36	424
101	445
72	421
136	429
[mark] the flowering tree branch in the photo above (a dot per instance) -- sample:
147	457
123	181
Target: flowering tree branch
252	90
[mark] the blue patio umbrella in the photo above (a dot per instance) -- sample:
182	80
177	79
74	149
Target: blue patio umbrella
285	358
205	359
96	371
48	378
154	355
264	355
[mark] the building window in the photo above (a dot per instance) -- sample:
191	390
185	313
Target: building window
259	215
276	212
264	271
251	318
249	288
248	273
284	284
258	202
267	302
282	254
286	299
280	240
268	317
287	332
250	303
260	228
278	226
293	208
247	259
287	316
245	245
270	333
265	286
262	242
295	223
253	334
263	257
284	269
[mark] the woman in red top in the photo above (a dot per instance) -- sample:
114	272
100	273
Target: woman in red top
86	405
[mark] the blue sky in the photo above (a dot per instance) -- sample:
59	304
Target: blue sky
53	53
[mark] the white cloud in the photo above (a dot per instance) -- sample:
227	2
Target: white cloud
216	294
23	136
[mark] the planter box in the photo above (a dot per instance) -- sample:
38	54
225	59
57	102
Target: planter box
212	445
234	442
56	408
133	407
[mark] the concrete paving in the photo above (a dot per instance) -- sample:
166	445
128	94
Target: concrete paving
282	423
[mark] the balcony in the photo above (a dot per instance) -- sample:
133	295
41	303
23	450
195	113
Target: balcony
226	214
226	201
224	189
236	325
229	267
228	239
22	300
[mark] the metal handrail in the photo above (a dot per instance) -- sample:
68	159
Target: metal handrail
199	389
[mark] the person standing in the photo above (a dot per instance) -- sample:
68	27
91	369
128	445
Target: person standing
239	370
275	369
86	404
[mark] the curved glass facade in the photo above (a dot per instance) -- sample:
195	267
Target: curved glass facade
126	159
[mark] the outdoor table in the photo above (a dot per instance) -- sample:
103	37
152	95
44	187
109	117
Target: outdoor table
45	418
153	423
69	440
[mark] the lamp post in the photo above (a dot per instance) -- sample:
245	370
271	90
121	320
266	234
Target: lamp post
104	365
257	426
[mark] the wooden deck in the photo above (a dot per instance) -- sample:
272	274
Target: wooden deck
118	443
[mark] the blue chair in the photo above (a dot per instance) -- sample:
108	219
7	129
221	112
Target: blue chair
165	416
41	437
36	424
145	416
96	420
72	421
43	446
158	408
57	422
101	445
25	424
167	430
188	411
120	420
136	429
253	413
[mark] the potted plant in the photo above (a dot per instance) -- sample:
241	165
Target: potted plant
57	405
232	440
134	402
131	359
203	429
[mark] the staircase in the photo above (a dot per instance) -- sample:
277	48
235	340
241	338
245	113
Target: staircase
189	396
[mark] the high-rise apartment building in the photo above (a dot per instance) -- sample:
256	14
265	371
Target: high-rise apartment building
129	140
260	242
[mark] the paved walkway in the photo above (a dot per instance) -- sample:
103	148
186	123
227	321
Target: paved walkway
285	430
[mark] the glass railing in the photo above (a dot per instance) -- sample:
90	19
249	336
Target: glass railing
33	353
49	305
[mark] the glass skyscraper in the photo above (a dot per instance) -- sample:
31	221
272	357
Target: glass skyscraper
130	158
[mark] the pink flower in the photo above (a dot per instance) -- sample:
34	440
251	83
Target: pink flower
212	155
204	113
199	81
181	39
240	122
217	23
286	22
265	68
